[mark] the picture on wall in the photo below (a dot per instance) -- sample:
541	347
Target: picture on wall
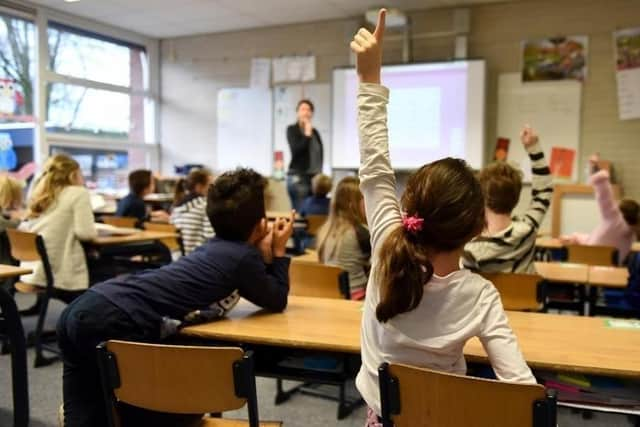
627	48
556	58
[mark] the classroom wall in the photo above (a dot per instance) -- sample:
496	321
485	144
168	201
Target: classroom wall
194	68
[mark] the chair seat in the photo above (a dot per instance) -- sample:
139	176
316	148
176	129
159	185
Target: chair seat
225	422
28	288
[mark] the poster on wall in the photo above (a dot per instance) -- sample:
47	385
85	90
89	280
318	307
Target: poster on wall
294	69
627	51
555	58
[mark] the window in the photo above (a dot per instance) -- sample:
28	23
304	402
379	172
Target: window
98	87
91	57
17	104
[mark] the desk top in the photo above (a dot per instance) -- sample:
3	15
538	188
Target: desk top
563	272
548	341
611	277
549	243
310	255
635	247
8	271
141	236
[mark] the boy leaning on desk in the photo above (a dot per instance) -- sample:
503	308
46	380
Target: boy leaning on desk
245	259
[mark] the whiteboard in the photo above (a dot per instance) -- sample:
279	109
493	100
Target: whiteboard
285	100
245	118
551	108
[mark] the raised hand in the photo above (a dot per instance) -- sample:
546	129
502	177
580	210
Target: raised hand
528	136
282	231
368	49
265	244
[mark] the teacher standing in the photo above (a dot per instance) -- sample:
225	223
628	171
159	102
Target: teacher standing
306	154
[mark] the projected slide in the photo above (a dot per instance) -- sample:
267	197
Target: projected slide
435	110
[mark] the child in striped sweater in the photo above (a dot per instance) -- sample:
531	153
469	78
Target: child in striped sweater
507	243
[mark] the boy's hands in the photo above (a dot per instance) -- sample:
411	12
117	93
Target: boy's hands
282	231
265	244
528	136
368	48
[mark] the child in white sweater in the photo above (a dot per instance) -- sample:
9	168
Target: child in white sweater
60	211
421	308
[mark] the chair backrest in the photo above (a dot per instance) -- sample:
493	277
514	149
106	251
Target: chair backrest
592	255
312	279
177	379
173	243
314	222
29	247
420	397
120	221
517	291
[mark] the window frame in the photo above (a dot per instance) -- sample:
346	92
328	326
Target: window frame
42	17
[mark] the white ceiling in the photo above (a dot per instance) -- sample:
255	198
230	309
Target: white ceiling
173	18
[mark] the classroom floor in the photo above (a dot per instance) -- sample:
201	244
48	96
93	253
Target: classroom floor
45	390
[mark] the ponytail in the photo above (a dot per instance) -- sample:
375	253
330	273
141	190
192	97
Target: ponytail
180	191
403	271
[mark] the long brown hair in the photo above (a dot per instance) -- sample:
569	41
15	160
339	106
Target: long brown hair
344	212
187	185
60	171
448	197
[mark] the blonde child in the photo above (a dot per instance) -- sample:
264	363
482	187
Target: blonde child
421	308
344	239
10	202
60	211
189	212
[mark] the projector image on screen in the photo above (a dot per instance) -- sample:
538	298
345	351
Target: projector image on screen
435	110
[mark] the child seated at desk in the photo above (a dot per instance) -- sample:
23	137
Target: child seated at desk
189	210
618	222
420	308
245	259
60	211
507	243
141	184
318	202
344	239
10	202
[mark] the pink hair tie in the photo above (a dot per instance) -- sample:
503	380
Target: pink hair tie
413	223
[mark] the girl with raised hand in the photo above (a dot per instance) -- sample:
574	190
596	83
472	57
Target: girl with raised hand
421	308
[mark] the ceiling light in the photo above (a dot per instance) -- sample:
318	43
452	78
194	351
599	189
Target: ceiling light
71	1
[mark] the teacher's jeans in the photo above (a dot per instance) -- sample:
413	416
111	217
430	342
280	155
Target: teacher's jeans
299	188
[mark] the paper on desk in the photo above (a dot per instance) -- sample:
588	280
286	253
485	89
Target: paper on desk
110	230
622	323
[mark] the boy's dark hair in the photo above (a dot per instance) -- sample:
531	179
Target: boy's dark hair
139	180
235	203
501	185
308	102
321	185
630	211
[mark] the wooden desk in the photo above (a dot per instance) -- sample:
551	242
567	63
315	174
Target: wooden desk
310	255
610	277
635	247
9	271
559	343
158	198
563	272
141	236
549	243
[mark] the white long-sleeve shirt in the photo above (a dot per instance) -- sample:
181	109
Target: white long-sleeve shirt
453	309
67	222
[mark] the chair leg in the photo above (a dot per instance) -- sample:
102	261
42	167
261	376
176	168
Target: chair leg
41	360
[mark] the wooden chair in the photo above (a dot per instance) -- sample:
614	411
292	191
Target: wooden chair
312	279
120	221
179	380
419	397
174	244
519	292
592	255
29	247
314	222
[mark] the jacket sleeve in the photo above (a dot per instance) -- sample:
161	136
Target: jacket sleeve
266	286
604	195
541	187
298	141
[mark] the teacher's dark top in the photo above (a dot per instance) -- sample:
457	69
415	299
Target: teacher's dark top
306	151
